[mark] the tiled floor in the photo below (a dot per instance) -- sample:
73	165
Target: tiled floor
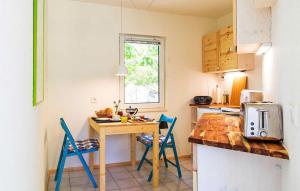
126	178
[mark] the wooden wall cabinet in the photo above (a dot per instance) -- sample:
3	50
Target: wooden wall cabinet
210	47
219	53
252	24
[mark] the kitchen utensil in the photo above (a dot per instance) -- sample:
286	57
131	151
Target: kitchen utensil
239	83
132	111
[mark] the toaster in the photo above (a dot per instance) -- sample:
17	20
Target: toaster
263	121
202	100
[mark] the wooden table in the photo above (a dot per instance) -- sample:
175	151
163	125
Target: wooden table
103	129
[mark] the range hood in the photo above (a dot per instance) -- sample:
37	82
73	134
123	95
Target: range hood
253	25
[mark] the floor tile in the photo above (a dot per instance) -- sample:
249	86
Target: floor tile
121	175
177	186
187	166
131	168
140	174
111	185
80	181
84	188
189	182
78	174
160	188
64	176
65	182
117	169
133	189
60	189
143	181
126	178
108	177
128	183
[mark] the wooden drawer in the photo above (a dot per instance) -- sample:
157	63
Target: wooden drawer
211	46
209	39
211	68
226	43
228	61
210	56
226	30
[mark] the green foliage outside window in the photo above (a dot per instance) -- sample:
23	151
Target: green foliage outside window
142	62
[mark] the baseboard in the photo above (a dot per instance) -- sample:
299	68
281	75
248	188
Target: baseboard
80	168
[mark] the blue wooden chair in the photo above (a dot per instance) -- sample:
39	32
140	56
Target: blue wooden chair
70	147
165	141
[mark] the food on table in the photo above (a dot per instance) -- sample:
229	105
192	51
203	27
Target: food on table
107	112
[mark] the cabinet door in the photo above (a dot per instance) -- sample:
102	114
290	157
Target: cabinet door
226	30
210	38
226	43
210	61
228	56
228	61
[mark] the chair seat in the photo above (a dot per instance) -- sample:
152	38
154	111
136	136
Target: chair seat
85	145
148	139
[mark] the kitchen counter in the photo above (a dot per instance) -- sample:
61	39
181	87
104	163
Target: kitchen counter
215	106
224	131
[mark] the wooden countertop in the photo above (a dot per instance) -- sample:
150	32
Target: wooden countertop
224	131
215	106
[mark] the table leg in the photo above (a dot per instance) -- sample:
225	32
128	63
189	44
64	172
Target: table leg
92	154
102	161
155	157
133	149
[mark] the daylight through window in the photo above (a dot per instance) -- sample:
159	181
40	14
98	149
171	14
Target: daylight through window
144	58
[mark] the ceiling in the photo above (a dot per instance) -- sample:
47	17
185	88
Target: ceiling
202	8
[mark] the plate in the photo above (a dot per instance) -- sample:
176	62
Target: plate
102	119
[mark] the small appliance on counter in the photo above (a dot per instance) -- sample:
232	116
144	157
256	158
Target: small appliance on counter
251	96
263	121
202	100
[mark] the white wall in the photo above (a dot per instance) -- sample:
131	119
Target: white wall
281	81
22	161
83	58
254	76
225	21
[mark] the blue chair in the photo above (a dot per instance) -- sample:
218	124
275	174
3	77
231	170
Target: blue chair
165	141
70	147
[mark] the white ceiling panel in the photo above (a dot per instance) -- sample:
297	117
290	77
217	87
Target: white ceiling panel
202	8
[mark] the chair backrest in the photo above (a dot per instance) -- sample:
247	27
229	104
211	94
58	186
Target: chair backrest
68	136
171	121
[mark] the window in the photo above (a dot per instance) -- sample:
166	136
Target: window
143	86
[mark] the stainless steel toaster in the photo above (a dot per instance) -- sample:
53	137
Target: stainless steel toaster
263	121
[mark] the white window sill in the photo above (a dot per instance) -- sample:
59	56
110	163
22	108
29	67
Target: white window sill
152	110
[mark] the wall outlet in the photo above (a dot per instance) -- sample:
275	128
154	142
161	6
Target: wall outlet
93	100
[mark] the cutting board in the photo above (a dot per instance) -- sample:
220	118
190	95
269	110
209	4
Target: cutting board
238	84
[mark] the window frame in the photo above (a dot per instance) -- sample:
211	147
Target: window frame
144	106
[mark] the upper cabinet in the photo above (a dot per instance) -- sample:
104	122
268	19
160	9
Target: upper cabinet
219	53
210	47
252	24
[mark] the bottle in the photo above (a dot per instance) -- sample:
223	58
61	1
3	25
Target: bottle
214	95
218	95
225	97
